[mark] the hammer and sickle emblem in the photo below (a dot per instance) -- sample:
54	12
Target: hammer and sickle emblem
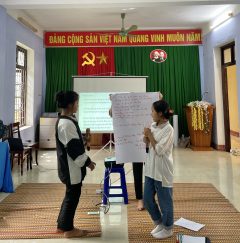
88	61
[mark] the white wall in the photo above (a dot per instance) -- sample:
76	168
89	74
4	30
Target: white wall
3	20
12	32
224	34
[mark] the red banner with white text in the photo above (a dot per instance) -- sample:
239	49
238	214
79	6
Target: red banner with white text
112	38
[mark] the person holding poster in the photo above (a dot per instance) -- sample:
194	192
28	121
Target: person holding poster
138	166
159	170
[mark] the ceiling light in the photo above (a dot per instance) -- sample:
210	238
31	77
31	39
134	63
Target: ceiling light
128	9
223	18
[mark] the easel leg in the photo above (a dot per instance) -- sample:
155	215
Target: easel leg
110	143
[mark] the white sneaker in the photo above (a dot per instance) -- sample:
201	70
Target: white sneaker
158	228
163	234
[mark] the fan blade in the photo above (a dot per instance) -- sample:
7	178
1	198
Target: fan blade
132	28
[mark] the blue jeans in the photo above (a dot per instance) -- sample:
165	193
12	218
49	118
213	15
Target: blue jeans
163	215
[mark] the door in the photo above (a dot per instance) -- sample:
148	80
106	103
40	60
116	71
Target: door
233	106
229	91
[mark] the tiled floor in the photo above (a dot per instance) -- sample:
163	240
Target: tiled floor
219	168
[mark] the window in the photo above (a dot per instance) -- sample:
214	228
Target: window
20	86
228	54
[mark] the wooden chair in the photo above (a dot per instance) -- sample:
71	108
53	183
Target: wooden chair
35	147
17	149
15	129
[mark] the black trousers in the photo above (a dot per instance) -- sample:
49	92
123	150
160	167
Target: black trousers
138	179
69	206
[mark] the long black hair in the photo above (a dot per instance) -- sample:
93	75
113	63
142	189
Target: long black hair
65	98
163	106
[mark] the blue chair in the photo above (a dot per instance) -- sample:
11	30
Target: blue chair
107	186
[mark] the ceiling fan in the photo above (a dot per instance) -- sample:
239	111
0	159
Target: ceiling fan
123	31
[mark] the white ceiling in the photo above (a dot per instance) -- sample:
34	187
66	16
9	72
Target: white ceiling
69	15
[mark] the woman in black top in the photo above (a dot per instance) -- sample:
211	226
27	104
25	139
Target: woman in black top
72	161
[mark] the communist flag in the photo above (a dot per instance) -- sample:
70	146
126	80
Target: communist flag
96	61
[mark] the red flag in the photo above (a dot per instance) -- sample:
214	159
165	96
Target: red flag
96	61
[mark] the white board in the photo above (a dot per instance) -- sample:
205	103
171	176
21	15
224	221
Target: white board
94	98
94	112
131	112
109	84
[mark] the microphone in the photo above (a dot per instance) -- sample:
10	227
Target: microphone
88	139
146	140
147	149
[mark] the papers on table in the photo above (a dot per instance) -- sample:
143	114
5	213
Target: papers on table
192	239
185	223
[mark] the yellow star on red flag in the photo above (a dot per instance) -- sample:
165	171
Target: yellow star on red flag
102	58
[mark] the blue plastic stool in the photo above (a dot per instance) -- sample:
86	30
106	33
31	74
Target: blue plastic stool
107	187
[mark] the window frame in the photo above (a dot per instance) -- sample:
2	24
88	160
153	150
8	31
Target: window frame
23	86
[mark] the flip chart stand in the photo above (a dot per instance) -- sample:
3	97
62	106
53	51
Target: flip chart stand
107	147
